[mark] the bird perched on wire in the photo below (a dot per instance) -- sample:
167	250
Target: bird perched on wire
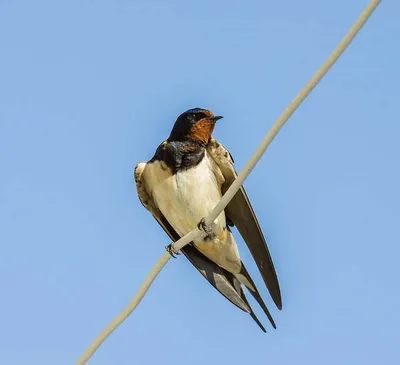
181	184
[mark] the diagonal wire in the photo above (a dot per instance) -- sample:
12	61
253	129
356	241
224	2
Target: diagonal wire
237	183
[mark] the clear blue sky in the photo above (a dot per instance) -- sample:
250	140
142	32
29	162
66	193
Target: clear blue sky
90	88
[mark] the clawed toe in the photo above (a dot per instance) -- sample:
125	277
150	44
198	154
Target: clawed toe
171	250
202	226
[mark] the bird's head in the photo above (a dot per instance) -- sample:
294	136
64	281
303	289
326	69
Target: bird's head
194	125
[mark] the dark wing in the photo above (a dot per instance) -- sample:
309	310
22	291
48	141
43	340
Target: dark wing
219	278
240	212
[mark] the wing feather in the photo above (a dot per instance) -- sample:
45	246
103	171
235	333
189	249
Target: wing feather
240	212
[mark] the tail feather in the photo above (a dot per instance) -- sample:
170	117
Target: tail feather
245	278
238	287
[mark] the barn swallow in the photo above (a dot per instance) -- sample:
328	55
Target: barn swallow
181	184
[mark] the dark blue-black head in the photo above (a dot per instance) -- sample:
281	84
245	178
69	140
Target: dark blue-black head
194	125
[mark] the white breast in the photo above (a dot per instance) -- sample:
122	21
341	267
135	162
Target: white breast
187	196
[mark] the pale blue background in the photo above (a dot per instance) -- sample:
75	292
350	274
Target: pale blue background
89	88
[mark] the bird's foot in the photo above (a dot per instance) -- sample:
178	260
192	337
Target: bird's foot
171	250
207	229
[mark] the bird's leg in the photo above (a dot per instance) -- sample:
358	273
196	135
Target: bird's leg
171	250
207	229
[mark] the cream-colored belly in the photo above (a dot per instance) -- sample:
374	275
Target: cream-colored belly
187	197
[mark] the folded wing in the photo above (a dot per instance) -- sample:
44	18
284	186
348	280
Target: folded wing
240	213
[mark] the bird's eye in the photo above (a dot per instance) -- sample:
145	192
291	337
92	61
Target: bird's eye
194	116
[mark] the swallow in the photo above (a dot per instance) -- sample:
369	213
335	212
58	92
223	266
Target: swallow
181	184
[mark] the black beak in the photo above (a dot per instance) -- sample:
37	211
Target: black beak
214	119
